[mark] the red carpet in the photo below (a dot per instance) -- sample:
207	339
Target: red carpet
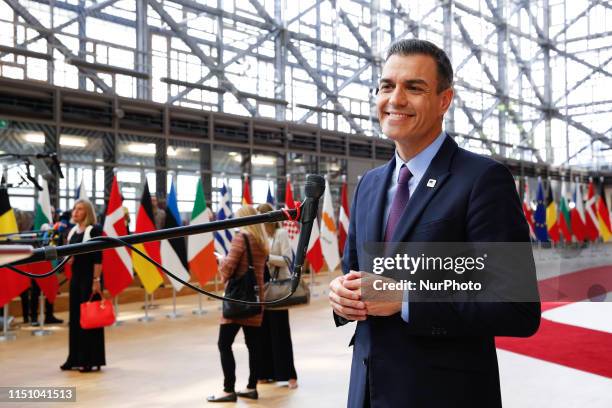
572	346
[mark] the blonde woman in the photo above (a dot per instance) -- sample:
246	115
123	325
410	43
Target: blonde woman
277	348
235	264
85	347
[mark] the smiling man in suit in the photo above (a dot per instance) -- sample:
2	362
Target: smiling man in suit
425	354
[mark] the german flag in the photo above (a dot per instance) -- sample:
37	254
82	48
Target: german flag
603	214
11	283
148	273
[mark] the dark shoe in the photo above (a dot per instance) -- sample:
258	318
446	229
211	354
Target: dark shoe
89	369
34	324
248	394
53	320
66	367
227	398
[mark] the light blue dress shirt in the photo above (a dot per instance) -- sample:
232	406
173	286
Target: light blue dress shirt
418	165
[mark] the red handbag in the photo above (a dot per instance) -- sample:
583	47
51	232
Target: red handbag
97	314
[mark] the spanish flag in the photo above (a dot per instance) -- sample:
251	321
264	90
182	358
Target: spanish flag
11	283
148	273
246	192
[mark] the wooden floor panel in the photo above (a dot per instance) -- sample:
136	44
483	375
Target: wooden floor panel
175	363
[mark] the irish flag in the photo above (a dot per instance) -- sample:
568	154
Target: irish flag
43	219
116	262
201	247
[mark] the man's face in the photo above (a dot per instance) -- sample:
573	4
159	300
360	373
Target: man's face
409	107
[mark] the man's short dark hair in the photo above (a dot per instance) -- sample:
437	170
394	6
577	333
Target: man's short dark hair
414	46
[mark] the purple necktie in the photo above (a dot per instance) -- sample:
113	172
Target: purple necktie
402	194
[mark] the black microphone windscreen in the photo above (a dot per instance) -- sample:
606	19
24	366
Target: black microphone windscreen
315	186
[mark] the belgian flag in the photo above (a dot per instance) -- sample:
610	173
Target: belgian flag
148	273
552	216
11	283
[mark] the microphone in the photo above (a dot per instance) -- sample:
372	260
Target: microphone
12	253
315	186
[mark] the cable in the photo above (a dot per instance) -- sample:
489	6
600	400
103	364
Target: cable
39	276
189	285
166	271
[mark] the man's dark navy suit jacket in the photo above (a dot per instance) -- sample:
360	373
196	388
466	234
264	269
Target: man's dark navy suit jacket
445	355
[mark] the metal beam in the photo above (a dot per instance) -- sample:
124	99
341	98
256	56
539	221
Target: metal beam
33	21
354	30
83	13
476	52
197	51
546	43
322	86
476	125
347	82
260	40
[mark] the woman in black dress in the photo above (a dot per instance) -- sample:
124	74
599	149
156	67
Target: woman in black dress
85	347
276	353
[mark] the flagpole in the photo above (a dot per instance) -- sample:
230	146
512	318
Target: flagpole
199	311
146	318
6	335
117	322
174	314
41	318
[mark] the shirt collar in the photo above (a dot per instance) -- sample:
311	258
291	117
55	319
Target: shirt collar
418	164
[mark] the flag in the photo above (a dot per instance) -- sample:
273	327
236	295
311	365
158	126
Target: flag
539	217
591	221
201	247
223	238
116	262
343	218
149	275
11	283
43	220
314	254
577	214
270	197
329	235
246	192
564	216
81	192
174	251
603	214
552	221
528	211
292	227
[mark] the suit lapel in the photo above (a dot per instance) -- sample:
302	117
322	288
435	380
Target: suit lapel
380	185
438	171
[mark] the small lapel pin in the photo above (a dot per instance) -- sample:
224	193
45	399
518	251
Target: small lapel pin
431	183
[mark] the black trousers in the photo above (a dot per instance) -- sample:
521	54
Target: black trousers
30	298
276	358
227	334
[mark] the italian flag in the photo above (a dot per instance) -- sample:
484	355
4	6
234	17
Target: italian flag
201	247
43	220
564	216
